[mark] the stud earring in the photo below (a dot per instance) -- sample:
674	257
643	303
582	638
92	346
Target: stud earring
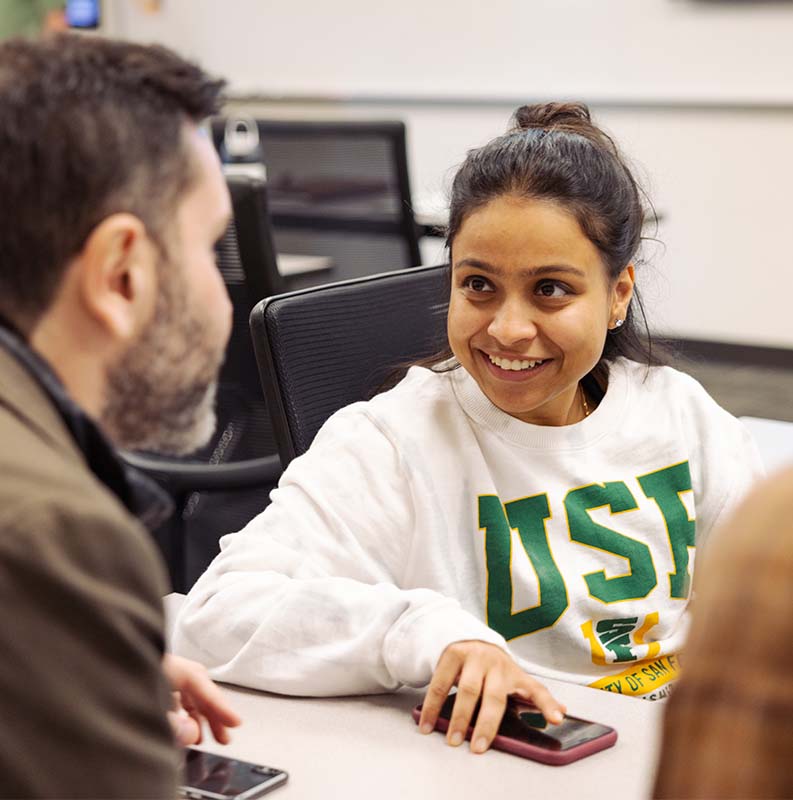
618	323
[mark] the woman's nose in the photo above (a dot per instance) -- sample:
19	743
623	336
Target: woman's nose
512	323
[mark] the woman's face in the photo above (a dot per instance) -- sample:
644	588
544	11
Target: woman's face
530	307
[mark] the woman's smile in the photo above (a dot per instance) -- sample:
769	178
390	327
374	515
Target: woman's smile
514	369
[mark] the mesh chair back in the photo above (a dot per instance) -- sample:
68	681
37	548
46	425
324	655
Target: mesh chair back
246	260
323	348
251	255
339	189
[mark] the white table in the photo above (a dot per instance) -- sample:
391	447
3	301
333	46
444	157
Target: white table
369	747
774	439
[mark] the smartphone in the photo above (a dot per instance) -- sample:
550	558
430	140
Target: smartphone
82	13
208	776
525	732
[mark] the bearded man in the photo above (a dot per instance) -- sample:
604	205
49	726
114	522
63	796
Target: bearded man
114	324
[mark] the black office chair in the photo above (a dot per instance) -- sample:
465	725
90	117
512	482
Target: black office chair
339	189
226	483
323	348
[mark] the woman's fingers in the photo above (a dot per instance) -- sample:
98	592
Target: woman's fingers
487	676
494	703
469	688
552	709
443	679
491	711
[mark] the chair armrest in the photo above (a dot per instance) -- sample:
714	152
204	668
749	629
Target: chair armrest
181	476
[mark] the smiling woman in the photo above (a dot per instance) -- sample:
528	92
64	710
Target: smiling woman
552	212
530	307
526	505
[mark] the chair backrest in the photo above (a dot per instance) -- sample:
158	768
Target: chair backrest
244	432
339	189
249	256
323	348
247	262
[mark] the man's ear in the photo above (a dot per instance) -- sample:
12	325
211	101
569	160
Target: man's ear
117	276
622	292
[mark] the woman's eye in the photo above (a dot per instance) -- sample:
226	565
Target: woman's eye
477	284
552	289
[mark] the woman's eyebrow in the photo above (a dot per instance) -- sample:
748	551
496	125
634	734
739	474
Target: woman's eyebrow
527	272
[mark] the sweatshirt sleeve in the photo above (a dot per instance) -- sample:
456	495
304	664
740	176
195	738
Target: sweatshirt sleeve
307	598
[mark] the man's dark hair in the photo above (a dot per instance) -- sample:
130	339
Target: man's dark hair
88	127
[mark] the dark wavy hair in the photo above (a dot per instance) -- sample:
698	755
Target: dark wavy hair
88	127
554	152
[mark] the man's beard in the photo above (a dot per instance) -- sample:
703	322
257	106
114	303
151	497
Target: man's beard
160	395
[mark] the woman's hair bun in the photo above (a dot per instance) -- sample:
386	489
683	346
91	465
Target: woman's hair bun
568	116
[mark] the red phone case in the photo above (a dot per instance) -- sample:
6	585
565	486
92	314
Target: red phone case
556	758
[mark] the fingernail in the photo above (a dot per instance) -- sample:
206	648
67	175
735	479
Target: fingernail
556	717
456	739
426	728
480	745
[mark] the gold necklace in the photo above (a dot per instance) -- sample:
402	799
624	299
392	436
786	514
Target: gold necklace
583	401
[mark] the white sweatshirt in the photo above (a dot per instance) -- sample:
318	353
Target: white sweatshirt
428	516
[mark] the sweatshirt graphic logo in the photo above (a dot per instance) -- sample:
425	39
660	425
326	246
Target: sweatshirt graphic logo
621	642
617	640
615	635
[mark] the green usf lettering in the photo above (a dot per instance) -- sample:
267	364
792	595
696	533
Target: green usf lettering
641	579
528	516
665	486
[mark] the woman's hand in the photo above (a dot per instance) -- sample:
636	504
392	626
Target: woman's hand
196	699
481	670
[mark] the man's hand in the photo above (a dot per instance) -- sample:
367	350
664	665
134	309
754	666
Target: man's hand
196	699
480	669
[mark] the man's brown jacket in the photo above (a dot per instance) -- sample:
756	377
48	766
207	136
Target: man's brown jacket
82	695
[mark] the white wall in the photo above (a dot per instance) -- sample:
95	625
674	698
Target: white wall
611	49
700	95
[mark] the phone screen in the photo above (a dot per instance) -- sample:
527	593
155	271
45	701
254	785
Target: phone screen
82	13
225	777
524	722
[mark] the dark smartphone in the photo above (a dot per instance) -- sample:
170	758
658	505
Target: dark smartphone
525	732
82	13
212	777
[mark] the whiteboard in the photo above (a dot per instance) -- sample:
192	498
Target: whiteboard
666	51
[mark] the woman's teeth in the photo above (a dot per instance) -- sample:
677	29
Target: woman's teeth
513	364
